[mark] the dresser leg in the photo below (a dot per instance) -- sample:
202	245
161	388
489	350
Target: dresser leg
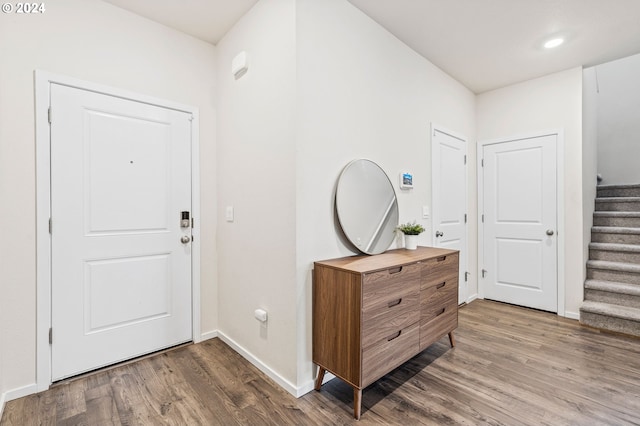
452	340
320	378
357	403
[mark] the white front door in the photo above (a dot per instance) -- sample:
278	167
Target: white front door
449	198
520	248
121	276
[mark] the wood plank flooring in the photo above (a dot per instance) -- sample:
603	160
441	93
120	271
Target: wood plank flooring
511	366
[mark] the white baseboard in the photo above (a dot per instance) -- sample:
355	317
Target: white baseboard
20	392
310	385
10	395
472	298
284	383
572	315
208	335
2	398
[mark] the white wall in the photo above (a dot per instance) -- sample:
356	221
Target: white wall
94	41
618	99
361	93
257	176
553	102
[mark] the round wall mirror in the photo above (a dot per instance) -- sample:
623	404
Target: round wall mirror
366	206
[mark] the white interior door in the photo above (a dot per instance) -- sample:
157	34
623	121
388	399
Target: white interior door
121	276
520	248
449	198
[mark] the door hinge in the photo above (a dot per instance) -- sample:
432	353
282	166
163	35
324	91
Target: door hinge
49	115
482	163
466	277
465	160
484	273
50	226
482	218
465	218
193	223
50	335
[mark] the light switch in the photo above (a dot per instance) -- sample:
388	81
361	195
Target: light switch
228	214
425	212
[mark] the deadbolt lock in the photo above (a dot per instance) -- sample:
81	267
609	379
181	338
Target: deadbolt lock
184	220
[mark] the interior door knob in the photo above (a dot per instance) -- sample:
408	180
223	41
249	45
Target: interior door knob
185	239
549	232
439	234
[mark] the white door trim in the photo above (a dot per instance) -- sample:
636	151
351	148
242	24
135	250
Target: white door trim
560	208
43	82
434	128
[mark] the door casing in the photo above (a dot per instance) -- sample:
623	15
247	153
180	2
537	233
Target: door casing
560	209
43	82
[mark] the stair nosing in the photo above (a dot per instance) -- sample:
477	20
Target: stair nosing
613	266
615	247
617	199
619	186
615	230
612	287
607	213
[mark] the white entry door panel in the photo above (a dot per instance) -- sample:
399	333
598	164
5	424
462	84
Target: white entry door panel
520	249
121	276
449	198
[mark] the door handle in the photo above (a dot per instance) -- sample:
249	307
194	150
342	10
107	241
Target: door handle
439	234
549	232
185	239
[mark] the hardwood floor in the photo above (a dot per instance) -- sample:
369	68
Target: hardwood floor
511	366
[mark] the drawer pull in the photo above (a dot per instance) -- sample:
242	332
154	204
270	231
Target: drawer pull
394	303
394	336
441	312
441	258
441	285
395	270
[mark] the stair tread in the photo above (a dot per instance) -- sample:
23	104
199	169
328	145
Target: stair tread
608	309
615	230
613	287
630	248
615	214
614	266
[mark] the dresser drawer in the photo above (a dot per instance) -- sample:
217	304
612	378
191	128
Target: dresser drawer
435	298
382	287
387	318
434	329
395	349
438	269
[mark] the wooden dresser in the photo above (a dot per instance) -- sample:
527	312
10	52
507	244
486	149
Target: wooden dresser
373	313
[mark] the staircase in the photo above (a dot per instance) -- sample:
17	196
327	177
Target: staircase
612	288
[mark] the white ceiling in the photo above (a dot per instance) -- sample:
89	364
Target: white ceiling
484	44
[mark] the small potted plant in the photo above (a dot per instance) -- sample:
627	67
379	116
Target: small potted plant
411	232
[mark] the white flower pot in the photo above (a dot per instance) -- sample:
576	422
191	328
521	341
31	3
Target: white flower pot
411	242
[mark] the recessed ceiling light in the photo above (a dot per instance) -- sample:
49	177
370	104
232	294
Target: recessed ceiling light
554	42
